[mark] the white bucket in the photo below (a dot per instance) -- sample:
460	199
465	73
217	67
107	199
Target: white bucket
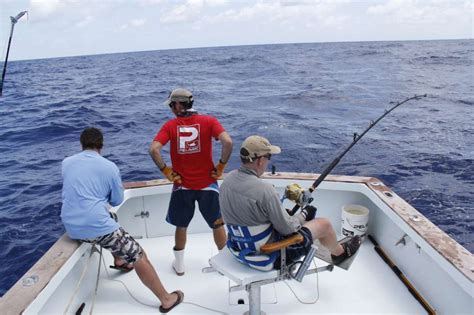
355	220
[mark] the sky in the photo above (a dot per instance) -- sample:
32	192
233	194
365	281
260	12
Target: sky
57	28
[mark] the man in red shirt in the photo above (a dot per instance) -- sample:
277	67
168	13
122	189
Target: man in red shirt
193	172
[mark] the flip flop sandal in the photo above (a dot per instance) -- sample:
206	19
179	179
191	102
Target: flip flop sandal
123	267
178	301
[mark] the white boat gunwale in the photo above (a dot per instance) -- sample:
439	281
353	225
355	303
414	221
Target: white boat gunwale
452	251
17	299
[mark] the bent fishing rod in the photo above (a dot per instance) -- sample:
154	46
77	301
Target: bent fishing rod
303	197
14	20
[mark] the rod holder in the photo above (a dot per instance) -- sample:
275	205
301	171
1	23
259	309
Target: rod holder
305	264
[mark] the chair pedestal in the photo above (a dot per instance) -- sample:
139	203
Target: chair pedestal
254	300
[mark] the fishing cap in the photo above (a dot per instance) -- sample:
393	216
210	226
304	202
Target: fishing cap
257	146
180	95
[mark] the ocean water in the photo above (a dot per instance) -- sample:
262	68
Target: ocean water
307	98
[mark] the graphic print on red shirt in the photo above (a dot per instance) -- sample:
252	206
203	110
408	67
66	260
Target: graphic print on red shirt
188	139
191	147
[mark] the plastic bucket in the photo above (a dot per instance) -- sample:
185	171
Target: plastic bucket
355	220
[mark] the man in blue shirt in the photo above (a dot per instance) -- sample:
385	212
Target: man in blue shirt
90	183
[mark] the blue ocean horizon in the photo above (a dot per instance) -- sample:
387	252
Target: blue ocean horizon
307	98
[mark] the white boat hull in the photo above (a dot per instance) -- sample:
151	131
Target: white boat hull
438	267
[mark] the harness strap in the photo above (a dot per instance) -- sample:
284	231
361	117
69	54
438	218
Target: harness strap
247	238
245	254
243	247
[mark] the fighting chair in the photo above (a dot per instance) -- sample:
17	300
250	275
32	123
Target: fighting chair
251	280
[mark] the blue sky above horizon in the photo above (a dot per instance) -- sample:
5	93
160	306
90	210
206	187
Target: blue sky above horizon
56	28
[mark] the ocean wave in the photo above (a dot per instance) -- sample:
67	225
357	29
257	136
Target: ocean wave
43	133
466	102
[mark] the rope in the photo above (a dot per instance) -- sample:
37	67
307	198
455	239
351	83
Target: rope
93	249
101	257
96	282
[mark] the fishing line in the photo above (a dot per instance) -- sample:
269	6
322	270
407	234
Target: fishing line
124	285
302	197
317	288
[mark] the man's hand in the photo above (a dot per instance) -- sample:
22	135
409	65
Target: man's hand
218	170
309	212
171	175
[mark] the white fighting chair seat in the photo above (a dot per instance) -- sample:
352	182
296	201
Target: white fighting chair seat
251	279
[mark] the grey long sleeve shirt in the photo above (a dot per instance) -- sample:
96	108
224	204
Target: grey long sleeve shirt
247	200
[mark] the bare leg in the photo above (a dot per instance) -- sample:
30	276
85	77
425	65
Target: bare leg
149	277
322	230
180	238
220	238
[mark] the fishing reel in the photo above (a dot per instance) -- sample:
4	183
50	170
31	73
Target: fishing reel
298	195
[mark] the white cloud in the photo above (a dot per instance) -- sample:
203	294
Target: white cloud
215	3
137	22
182	13
309	13
86	21
420	12
387	8
469	5
134	23
150	2
335	21
44	8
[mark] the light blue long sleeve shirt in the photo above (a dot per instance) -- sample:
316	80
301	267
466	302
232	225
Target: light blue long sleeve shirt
90	183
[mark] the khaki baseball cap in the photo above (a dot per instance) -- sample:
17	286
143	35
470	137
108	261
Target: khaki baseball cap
256	146
179	95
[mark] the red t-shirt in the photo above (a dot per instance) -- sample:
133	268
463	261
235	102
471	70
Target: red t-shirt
191	147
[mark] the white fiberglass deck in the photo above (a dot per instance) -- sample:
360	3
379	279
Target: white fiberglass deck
368	287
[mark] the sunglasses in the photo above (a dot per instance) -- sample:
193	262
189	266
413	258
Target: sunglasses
268	156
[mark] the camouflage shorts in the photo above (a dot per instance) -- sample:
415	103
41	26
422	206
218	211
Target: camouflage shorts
120	244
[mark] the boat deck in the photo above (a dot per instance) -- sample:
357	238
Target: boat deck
368	287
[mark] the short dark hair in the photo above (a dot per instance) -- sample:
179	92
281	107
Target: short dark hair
92	138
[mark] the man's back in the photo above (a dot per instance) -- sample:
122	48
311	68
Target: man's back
90	182
190	140
248	201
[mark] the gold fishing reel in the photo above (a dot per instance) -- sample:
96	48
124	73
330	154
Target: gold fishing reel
298	195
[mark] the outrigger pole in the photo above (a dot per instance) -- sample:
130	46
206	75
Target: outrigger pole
356	138
14	20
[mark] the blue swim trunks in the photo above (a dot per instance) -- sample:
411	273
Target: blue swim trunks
183	201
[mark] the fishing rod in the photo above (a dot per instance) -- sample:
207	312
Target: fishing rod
13	20
303	197
402	277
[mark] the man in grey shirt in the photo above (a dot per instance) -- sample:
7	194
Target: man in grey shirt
254	215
